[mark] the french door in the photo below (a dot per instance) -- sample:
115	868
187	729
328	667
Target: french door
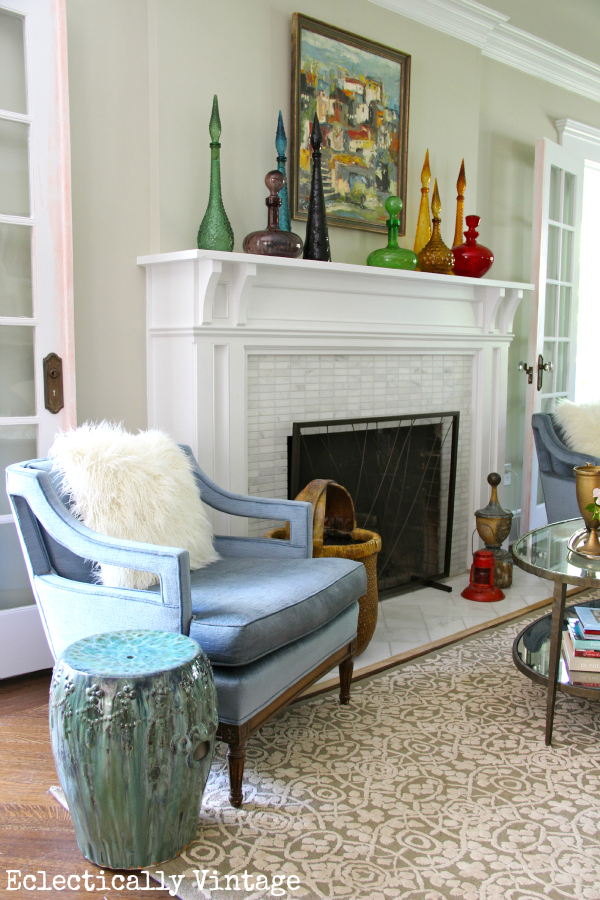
550	365
36	310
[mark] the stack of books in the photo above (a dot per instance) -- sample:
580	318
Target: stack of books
581	647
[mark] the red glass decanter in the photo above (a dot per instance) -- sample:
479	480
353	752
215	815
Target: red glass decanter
472	259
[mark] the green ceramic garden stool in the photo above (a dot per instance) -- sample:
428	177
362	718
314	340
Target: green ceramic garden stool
133	717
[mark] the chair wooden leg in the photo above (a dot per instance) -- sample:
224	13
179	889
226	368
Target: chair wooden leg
236	756
346	668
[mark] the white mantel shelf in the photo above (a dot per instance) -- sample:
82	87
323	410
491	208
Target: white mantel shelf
235	290
207	312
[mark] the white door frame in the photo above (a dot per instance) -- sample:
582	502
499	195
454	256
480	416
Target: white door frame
23	646
547	155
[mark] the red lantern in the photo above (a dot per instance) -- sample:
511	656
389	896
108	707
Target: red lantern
481	586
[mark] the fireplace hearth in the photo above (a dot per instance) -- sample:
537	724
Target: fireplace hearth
401	474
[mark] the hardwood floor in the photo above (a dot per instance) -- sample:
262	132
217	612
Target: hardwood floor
36	834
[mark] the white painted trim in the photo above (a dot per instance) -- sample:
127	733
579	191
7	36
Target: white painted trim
23	644
489	30
579	130
463	19
542	59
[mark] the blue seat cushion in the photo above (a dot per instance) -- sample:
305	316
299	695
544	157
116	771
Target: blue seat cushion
242	692
243	609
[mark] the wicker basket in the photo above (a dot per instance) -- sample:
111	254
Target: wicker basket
333	510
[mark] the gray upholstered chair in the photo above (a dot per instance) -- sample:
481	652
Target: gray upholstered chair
556	462
271	619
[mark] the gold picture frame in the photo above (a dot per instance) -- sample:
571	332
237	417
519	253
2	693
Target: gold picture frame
360	90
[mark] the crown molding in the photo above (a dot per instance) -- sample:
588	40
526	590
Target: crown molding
463	19
489	30
537	57
572	129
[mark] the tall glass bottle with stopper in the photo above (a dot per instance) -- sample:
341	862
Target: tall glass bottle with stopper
393	256
435	255
215	231
316	243
273	241
281	145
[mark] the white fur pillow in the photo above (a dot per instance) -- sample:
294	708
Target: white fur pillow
581	425
136	487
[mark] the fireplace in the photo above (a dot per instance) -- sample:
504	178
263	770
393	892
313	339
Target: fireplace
401	474
240	347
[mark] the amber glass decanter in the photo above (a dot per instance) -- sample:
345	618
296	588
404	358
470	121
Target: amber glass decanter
273	241
393	256
436	256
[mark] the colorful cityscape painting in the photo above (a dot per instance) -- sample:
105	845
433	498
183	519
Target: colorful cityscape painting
359	91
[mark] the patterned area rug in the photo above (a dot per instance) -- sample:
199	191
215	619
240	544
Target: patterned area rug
434	783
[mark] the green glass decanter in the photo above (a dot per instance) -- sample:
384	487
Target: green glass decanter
393	256
215	231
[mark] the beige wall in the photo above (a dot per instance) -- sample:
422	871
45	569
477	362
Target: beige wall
142	77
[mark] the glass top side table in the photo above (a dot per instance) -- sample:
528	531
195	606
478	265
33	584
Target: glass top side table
544	552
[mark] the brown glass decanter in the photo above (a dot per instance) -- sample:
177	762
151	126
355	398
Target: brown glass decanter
273	241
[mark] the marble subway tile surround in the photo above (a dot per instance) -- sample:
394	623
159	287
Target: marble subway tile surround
286	388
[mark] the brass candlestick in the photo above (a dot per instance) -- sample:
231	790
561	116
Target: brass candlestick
461	185
493	526
423	224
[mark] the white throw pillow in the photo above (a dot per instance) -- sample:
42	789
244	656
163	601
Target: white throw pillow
136	487
580	423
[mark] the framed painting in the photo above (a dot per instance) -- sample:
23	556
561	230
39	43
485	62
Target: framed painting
360	92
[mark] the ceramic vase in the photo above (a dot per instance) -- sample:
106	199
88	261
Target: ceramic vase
472	259
393	256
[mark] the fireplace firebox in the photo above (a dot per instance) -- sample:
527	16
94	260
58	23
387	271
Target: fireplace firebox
401	474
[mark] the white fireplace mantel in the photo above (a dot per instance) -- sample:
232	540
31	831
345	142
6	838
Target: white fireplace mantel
208	311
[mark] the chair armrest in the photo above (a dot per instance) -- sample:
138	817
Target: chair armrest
33	488
547	441
298	513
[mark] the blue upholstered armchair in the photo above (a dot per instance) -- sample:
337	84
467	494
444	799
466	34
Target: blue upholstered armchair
271	619
556	462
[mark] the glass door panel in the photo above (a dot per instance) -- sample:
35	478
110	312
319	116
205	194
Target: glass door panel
17	442
15	590
566	265
562	368
13	95
554	207
16	295
551	307
564	319
17	371
14	168
553	252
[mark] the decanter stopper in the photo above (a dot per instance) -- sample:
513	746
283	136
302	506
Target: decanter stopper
423	224
316	244
436	256
215	232
281	146
461	185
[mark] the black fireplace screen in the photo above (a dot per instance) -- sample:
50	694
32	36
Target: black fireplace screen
401	474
